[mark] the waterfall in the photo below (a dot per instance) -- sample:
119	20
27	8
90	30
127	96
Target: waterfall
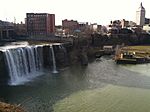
54	61
23	63
11	66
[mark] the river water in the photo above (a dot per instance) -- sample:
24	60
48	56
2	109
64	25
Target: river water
102	86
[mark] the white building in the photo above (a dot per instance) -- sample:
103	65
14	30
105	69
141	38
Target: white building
93	27
140	16
147	28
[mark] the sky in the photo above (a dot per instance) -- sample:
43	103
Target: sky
92	11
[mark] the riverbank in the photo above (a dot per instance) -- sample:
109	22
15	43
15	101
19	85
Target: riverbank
5	107
133	55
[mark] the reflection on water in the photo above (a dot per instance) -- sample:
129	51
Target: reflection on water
99	80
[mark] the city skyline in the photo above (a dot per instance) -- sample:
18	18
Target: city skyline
96	11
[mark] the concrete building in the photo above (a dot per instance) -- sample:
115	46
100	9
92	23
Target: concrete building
20	29
116	24
132	24
146	28
124	23
140	16
40	24
147	20
82	26
6	30
94	27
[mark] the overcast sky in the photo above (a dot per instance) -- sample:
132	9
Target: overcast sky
92	11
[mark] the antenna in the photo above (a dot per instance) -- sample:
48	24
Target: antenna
14	20
141	4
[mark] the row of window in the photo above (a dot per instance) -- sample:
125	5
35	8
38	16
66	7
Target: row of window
33	15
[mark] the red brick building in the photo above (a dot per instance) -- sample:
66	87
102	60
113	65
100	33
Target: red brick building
70	25
40	24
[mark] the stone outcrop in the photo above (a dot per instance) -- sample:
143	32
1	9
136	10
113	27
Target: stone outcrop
47	60
3	70
5	107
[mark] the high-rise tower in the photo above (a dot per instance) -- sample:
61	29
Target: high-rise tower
140	15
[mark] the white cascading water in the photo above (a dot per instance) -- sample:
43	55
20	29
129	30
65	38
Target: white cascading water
54	61
24	63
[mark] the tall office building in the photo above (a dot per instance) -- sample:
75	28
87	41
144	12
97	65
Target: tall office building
40	24
140	16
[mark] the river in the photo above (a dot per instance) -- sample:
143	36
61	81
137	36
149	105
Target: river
102	86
